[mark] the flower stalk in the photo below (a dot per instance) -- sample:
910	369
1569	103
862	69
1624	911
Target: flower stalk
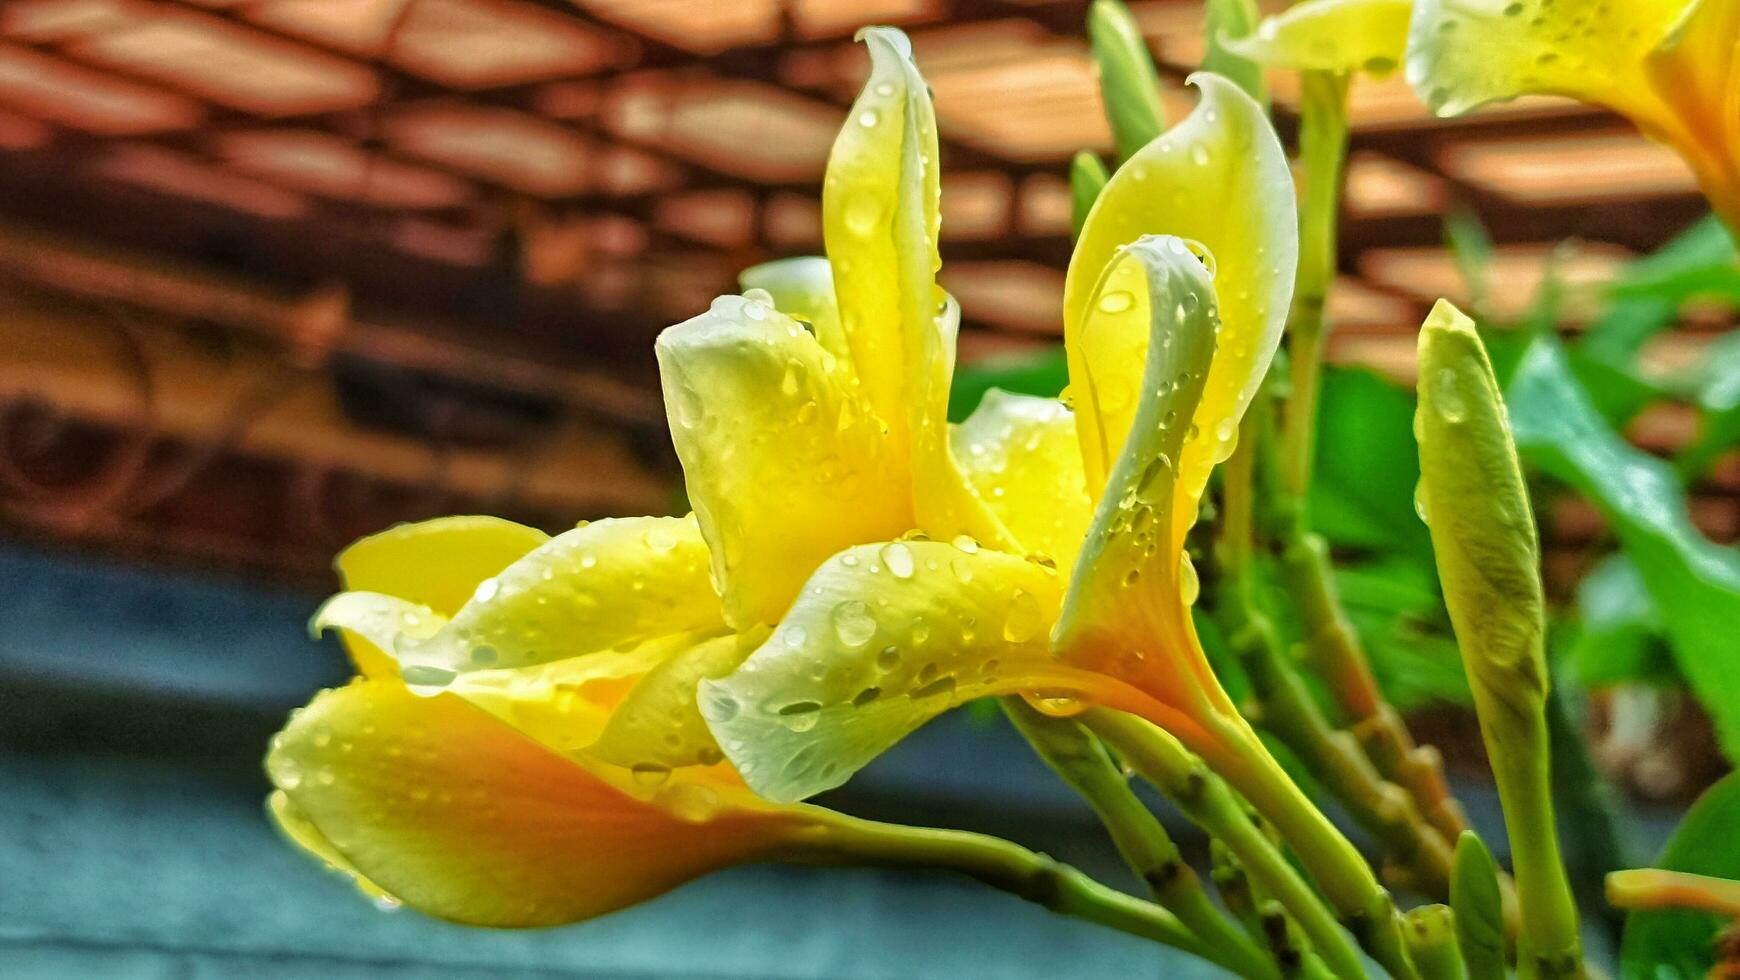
1001	864
1079	759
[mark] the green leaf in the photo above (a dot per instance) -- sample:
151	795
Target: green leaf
1129	85
1672	943
1394	605
1649	293
1479	908
1715	387
1366	465
1619	639
1471	249
1695	584
1043	373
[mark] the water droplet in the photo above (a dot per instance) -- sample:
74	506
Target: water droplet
1199	154
486	590
588	559
898	558
1117	301
800	716
863	212
1189	584
660	540
1420	502
1025	620
1449	402
853	624
387	903
962	569
691	802
869	118
1055	704
888	658
885	89
920	632
426	679
650	773
806	414
966	543
793	636
720	707
866	696
484	655
788	383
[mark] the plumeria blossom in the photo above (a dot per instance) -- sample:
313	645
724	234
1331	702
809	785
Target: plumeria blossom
1168	338
524	745
534	816
1332	36
1671	66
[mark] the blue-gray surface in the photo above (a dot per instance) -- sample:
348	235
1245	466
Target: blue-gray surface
133	709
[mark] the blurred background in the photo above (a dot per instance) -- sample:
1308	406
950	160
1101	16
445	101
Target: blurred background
278	273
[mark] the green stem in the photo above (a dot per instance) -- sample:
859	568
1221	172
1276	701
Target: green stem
1287	709
1322	151
1550	947
1078	758
1335	653
1211	804
1034	877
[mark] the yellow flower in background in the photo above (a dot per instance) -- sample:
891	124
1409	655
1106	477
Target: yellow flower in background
885	636
1331	35
1671	66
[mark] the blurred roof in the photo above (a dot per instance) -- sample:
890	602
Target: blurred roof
504	200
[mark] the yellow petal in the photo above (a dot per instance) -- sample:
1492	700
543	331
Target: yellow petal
1331	35
434	563
372	624
1220	179
883	638
880	221
299	830
1127	613
566	704
467	820
658	726
803	287
1464	53
1696	70
785	464
1020	453
602	585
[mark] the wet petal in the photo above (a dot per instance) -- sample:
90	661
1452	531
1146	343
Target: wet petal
566	704
1697	72
658	726
1464	53
785	465
467	820
603	585
880	222
436	564
372	623
1021	455
1331	35
803	287
1219	179
1127	610
883	638
299	830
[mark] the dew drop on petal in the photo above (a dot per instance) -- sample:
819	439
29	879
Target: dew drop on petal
898	558
486	590
853	623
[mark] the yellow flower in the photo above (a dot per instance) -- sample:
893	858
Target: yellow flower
1331	35
1670	66
1174	303
425	799
809	417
